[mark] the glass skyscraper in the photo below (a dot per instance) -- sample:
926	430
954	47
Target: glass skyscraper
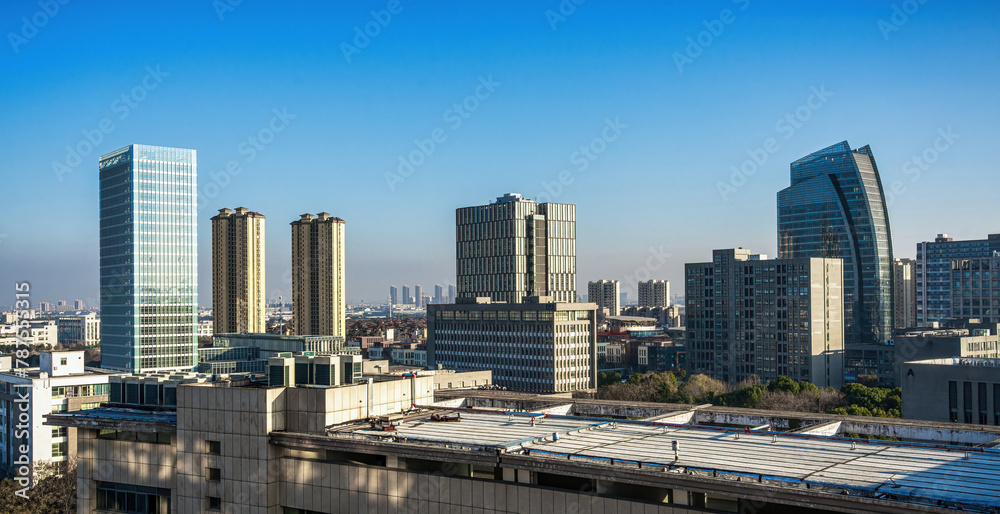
149	274
835	207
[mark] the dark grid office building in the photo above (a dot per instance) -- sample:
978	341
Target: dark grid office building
752	317
149	259
975	289
514	248
835	208
934	273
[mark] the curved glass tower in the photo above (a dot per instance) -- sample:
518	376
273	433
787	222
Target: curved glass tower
835	207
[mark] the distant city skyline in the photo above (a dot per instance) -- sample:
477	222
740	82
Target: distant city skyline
668	138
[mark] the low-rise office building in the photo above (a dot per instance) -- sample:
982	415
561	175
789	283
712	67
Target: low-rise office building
60	383
80	329
958	389
537	345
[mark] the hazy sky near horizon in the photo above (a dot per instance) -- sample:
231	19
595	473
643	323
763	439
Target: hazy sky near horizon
638	113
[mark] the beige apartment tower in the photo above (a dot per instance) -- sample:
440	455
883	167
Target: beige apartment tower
654	293
238	271
904	297
318	275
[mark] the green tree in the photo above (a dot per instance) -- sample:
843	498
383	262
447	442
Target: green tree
784	384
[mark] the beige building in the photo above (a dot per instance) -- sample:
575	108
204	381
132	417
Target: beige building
904	296
380	447
238	271
654	293
606	294
748	316
318	275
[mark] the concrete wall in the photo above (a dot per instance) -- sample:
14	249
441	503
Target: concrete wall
331	487
123	462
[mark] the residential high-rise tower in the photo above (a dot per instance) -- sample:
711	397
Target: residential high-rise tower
238	272
606	294
905	292
318	275
654	293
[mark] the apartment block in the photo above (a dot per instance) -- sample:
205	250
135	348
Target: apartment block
904	296
606	294
318	275
975	288
654	293
748	316
238	295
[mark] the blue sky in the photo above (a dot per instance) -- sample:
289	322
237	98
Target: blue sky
209	77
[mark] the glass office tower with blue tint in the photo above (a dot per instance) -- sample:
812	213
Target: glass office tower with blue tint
149	274
835	207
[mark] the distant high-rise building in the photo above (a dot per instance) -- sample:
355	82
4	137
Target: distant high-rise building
61	303
751	317
149	259
238	272
934	273
318	275
516	247
418	294
654	293
406	295
438	293
393	295
77	304
835	207
905	292
44	306
451	293
606	294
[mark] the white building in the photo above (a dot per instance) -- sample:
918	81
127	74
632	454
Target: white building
42	332
59	384
654	293
83	328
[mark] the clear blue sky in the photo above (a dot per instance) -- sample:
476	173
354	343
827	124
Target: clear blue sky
559	79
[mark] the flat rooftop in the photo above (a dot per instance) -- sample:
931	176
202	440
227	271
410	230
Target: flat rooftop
908	472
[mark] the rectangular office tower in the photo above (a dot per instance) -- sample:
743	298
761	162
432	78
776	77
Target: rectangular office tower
538	346
149	259
238	272
749	316
318	275
835	207
934	273
516	247
606	294
654	293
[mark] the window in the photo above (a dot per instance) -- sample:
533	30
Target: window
953	401
214	447
58	432
59	449
59	408
213	474
214	503
58	392
62	361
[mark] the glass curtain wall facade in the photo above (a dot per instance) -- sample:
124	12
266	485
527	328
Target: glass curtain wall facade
835	207
149	259
514	248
